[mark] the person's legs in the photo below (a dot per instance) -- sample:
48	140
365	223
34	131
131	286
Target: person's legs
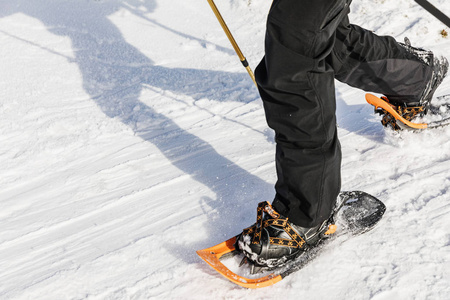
309	43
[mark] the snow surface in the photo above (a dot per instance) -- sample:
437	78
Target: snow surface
130	136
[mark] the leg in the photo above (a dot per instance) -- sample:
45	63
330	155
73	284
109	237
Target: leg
378	64
296	84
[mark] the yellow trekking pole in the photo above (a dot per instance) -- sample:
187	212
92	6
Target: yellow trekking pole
232	41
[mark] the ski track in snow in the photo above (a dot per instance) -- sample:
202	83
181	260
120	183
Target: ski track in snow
130	136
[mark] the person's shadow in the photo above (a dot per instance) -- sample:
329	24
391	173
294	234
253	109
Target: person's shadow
114	73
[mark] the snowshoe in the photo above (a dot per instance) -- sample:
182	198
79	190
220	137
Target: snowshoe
356	213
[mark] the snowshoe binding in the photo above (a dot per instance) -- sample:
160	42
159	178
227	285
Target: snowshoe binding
273	241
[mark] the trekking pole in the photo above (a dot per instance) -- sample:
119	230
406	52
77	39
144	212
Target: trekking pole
232	40
434	11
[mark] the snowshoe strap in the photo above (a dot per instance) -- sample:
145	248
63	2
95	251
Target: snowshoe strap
296	240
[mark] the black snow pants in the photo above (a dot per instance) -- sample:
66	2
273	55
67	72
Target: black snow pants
309	44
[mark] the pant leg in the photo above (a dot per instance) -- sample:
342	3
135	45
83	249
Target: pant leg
296	84
378	64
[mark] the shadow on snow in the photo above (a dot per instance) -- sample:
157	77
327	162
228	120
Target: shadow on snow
114	74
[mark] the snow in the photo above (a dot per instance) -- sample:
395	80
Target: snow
131	136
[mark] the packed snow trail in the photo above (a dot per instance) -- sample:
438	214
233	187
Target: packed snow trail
131	136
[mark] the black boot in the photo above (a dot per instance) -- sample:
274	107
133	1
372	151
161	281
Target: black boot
273	240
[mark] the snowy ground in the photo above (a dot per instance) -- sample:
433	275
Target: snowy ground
130	136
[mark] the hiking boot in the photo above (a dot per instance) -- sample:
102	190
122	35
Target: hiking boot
274	241
440	68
